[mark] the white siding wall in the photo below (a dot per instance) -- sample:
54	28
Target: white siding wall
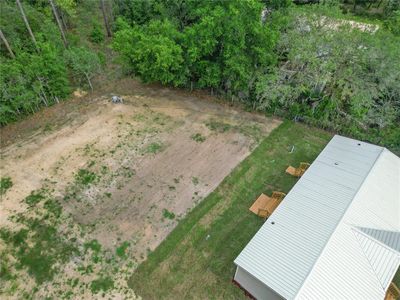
254	286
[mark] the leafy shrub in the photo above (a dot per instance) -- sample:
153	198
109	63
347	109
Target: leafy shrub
218	126
195	180
34	198
5	272
53	207
101	284
5	184
154	148
102	58
392	23
198	138
83	62
85	177
97	34
94	245
121	250
168	214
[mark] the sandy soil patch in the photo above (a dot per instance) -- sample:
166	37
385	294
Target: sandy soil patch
148	161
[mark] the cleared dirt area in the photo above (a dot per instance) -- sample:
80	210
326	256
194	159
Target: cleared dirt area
127	172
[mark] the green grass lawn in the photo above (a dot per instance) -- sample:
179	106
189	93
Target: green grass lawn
396	278
196	259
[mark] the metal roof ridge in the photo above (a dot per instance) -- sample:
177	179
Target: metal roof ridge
358	230
379	243
340	221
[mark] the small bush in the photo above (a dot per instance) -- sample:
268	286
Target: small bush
218	126
96	35
168	214
94	245
53	207
393	23
5	271
34	198
195	180
5	184
85	177
154	148
121	250
102	58
198	138
101	284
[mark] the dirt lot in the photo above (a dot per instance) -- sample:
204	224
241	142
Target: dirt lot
127	172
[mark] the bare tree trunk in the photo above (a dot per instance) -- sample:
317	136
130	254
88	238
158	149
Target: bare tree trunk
103	9
88	79
62	17
59	23
26	22
3	38
43	99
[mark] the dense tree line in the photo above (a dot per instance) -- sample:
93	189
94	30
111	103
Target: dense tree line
196	44
40	61
301	62
336	77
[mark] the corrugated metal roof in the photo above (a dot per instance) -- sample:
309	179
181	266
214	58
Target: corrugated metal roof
382	259
389	238
351	185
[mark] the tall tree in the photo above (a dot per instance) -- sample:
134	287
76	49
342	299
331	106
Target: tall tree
53	7
21	9
3	38
106	24
83	62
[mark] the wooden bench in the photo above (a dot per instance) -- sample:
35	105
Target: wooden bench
264	206
298	172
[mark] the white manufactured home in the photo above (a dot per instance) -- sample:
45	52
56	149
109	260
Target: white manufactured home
336	235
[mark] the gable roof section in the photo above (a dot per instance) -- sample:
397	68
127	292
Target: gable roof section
351	185
388	238
383	259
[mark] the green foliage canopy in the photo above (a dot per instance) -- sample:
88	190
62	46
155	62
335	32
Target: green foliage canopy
83	63
216	44
38	75
336	77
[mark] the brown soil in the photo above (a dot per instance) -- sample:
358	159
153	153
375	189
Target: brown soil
148	164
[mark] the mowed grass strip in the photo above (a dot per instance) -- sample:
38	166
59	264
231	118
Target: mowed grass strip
196	260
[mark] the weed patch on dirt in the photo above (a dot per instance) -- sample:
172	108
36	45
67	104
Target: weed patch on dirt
154	148
196	260
108	183
198	137
45	255
168	215
5	184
